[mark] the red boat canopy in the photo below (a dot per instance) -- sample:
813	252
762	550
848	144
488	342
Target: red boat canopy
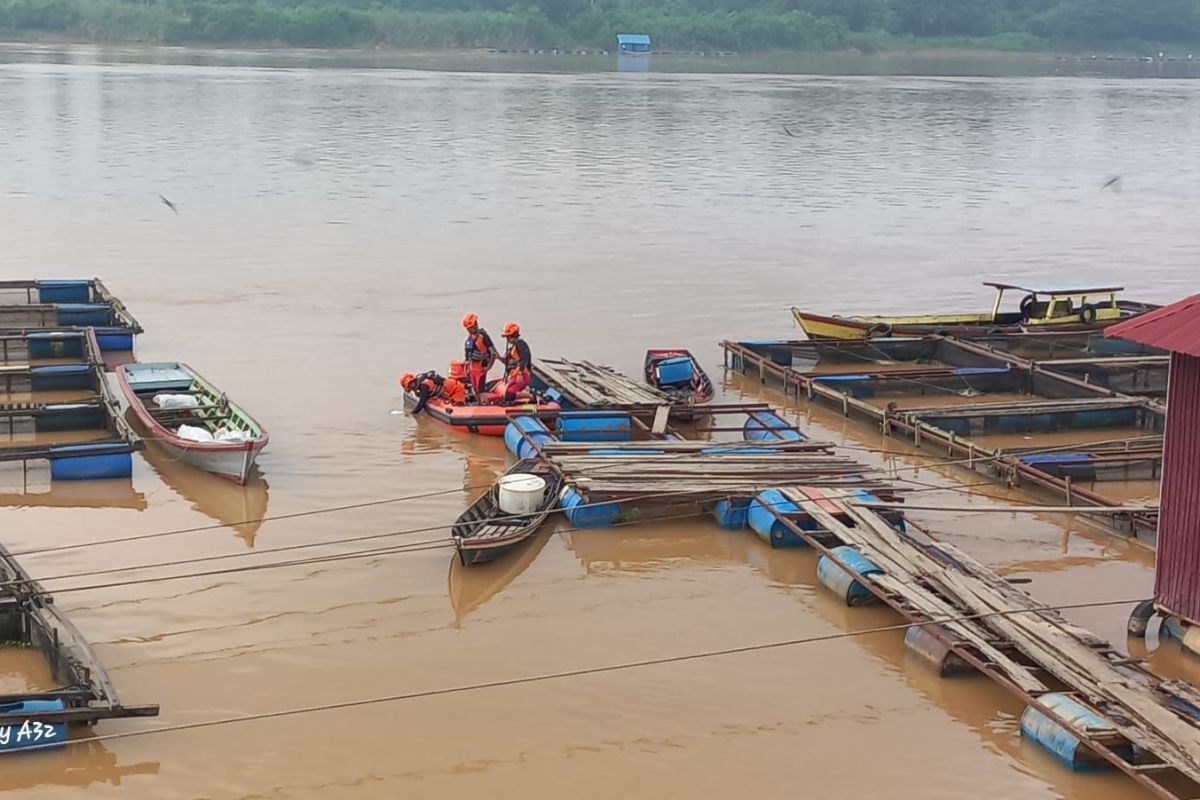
1175	327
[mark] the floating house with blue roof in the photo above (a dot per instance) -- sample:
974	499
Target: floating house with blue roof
633	43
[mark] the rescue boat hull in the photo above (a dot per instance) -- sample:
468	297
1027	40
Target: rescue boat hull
486	419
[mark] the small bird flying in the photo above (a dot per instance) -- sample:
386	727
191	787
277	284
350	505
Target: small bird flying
1113	183
168	204
789	132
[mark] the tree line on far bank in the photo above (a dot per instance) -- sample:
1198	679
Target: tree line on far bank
674	24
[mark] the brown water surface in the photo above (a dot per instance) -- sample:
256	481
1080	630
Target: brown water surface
336	219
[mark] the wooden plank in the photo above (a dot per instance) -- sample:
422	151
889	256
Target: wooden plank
672	447
905	582
661	415
1026	407
1058	647
1015	509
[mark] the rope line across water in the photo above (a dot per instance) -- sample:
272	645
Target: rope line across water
573	673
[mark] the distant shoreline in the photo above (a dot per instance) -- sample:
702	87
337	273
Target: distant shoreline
951	48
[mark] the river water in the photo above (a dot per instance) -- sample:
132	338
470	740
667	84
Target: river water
338	215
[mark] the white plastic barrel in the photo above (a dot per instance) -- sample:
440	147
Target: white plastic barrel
521	494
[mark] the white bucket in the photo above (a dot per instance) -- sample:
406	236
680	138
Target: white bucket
521	494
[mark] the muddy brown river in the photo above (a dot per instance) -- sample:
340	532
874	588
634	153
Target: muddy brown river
337	218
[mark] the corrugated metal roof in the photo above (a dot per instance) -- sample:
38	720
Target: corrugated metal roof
1175	327
1177	566
633	38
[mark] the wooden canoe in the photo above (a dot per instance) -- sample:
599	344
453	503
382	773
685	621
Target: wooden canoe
484	532
696	392
238	438
1040	309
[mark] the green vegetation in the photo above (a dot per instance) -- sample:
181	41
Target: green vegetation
675	24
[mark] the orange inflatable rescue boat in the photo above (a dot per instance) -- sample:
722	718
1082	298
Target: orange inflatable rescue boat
488	418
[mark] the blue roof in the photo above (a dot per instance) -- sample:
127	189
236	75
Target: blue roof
633	38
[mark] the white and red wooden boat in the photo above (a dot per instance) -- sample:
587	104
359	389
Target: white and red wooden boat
191	419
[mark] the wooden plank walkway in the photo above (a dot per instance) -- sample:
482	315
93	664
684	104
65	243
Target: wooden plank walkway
1032	406
926	579
560	448
699	476
589	385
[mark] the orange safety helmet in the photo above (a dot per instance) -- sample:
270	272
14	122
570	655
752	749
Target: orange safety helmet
470	321
407	380
511	329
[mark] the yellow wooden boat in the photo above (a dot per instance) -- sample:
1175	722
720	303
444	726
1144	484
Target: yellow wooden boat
1039	310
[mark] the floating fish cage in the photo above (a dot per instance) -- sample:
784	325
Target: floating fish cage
62	415
992	411
68	305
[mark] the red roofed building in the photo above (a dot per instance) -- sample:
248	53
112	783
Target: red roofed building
1177	565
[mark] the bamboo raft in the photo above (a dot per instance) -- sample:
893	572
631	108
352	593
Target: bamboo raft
1153	732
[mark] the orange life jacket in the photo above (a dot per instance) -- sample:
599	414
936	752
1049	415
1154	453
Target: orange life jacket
513	358
453	390
477	346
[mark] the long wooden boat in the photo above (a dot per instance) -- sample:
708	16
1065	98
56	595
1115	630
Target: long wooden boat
1040	309
488	418
678	373
219	437
484	531
81	692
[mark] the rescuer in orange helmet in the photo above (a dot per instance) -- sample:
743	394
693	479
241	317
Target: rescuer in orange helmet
480	354
429	385
518	363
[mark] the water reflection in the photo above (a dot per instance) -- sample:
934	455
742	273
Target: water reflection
114	493
241	508
79	765
472	587
485	458
648	547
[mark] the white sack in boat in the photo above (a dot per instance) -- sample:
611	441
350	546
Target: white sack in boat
176	401
194	434
232	435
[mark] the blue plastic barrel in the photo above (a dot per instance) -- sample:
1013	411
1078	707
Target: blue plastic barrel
921	643
731	514
115	340
55	344
61	376
82	462
1172	628
767	525
85	314
582	514
767	426
70	291
595	426
522	446
30	733
1061	742
842	583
